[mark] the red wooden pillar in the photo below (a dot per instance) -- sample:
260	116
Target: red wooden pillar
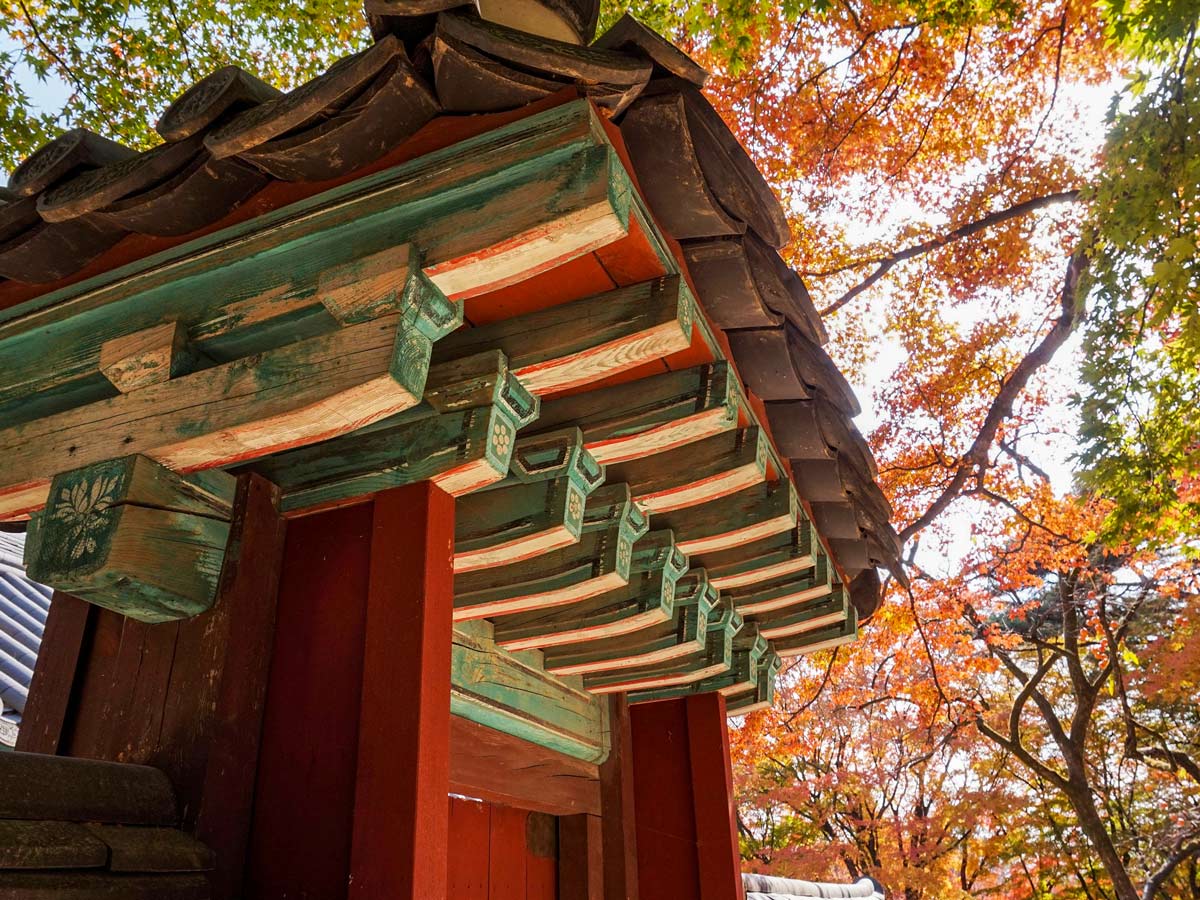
354	771
683	800
401	819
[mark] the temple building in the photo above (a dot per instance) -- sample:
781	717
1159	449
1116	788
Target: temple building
424	463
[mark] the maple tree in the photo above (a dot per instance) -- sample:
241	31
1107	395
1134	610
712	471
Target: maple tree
1020	288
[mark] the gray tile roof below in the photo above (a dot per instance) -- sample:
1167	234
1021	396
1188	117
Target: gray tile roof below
23	608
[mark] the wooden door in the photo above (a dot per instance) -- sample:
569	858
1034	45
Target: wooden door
501	853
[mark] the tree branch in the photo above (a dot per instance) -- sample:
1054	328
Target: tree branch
1070	309
887	263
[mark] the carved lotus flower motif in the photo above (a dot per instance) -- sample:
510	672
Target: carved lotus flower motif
77	506
574	505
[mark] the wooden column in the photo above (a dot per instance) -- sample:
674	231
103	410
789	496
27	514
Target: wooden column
354	771
580	858
399	842
686	834
712	798
618	834
54	676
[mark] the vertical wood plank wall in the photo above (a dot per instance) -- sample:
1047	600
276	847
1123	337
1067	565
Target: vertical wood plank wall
686	834
185	697
500	853
351	799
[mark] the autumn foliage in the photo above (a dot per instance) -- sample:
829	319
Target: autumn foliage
996	204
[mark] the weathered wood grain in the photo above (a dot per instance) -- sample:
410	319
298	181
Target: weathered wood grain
651	415
752	513
146	357
135	537
299	394
509	524
785	553
236	640
700	472
768	597
750	650
493	688
731	644
599	561
500	768
465	447
55	675
829	610
586	340
684	634
821	639
484	220
647	599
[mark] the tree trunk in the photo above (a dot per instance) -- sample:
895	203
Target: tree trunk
1079	795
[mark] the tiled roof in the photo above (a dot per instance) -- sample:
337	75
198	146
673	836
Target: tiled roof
769	887
235	147
23	608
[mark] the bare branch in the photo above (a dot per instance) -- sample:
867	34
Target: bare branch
886	263
975	458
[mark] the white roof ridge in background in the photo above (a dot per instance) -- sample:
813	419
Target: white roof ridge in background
23	608
769	887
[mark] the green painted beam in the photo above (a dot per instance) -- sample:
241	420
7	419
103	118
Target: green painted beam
748	515
821	639
780	595
716	658
647	599
750	649
809	616
583	341
696	473
683	635
465	209
249	408
499	690
599	560
651	415
517	520
461	436
786	553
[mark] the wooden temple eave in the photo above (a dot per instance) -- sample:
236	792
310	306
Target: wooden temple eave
500	317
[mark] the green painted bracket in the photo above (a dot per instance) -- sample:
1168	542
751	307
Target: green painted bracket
132	536
821	639
683	635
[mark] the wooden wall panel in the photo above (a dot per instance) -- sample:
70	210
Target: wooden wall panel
666	822
686	835
500	853
469	857
185	697
55	675
304	799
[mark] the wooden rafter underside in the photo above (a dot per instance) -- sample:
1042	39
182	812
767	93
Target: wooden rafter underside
500	317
